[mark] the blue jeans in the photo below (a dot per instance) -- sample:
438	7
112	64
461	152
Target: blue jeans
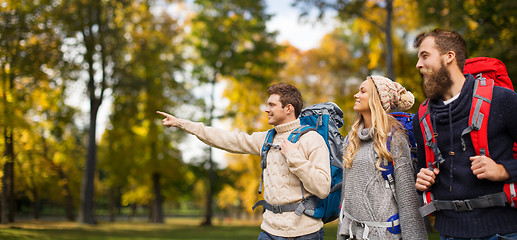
493	237
313	236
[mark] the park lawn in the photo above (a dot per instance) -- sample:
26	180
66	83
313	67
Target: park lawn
174	229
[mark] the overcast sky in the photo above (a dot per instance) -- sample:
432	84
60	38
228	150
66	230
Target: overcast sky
304	36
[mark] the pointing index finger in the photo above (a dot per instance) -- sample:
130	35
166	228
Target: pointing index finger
162	113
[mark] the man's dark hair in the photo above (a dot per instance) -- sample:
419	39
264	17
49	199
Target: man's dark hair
446	41
289	94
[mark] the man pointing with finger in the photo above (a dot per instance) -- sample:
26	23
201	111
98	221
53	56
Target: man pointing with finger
291	168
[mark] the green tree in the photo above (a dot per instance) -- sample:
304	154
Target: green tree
379	20
53	142
29	52
95	28
135	140
232	43
488	26
368	11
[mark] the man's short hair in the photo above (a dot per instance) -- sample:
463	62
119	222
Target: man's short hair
446	41
289	94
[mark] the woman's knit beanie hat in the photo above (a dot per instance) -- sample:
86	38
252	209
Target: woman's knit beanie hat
392	94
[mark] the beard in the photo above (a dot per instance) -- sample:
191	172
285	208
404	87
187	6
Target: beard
437	83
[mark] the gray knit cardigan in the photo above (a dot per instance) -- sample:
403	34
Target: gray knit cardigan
368	198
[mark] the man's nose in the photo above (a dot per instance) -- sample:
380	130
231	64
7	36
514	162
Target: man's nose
419	64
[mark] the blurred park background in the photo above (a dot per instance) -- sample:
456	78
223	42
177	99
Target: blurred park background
83	150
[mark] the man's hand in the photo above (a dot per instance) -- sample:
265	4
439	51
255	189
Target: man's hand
169	120
425	179
485	168
288	145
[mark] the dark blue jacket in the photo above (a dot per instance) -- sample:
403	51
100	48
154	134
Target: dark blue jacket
456	180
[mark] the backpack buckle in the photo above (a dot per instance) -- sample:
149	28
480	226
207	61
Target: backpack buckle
359	224
277	208
462	205
273	146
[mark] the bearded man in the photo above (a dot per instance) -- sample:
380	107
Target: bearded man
464	176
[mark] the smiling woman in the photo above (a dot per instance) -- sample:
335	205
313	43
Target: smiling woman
377	142
361	98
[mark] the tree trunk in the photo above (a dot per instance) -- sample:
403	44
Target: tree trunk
132	212
86	215
389	40
69	200
156	206
35	204
5	192
8	203
3	203
92	40
211	174
111	196
8	208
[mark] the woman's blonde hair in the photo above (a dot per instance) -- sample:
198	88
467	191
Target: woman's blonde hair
382	125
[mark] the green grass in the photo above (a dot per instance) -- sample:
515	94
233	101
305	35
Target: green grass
176	228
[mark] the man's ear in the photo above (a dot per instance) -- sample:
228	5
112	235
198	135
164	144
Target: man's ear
290	108
450	56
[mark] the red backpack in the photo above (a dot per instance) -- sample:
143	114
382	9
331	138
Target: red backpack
488	72
491	68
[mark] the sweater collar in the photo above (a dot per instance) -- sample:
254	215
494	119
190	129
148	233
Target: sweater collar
287	127
363	133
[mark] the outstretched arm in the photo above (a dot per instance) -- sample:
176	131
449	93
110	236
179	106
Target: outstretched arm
235	142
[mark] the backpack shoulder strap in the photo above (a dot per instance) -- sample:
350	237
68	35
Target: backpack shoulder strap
478	118
268	143
433	156
295	136
387	173
298	132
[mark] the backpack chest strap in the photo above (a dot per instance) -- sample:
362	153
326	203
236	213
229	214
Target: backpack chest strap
486	201
367	224
304	206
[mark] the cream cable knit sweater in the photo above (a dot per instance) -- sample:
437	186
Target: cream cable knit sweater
368	199
308	163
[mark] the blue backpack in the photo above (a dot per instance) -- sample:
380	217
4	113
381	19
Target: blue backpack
406	120
326	119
